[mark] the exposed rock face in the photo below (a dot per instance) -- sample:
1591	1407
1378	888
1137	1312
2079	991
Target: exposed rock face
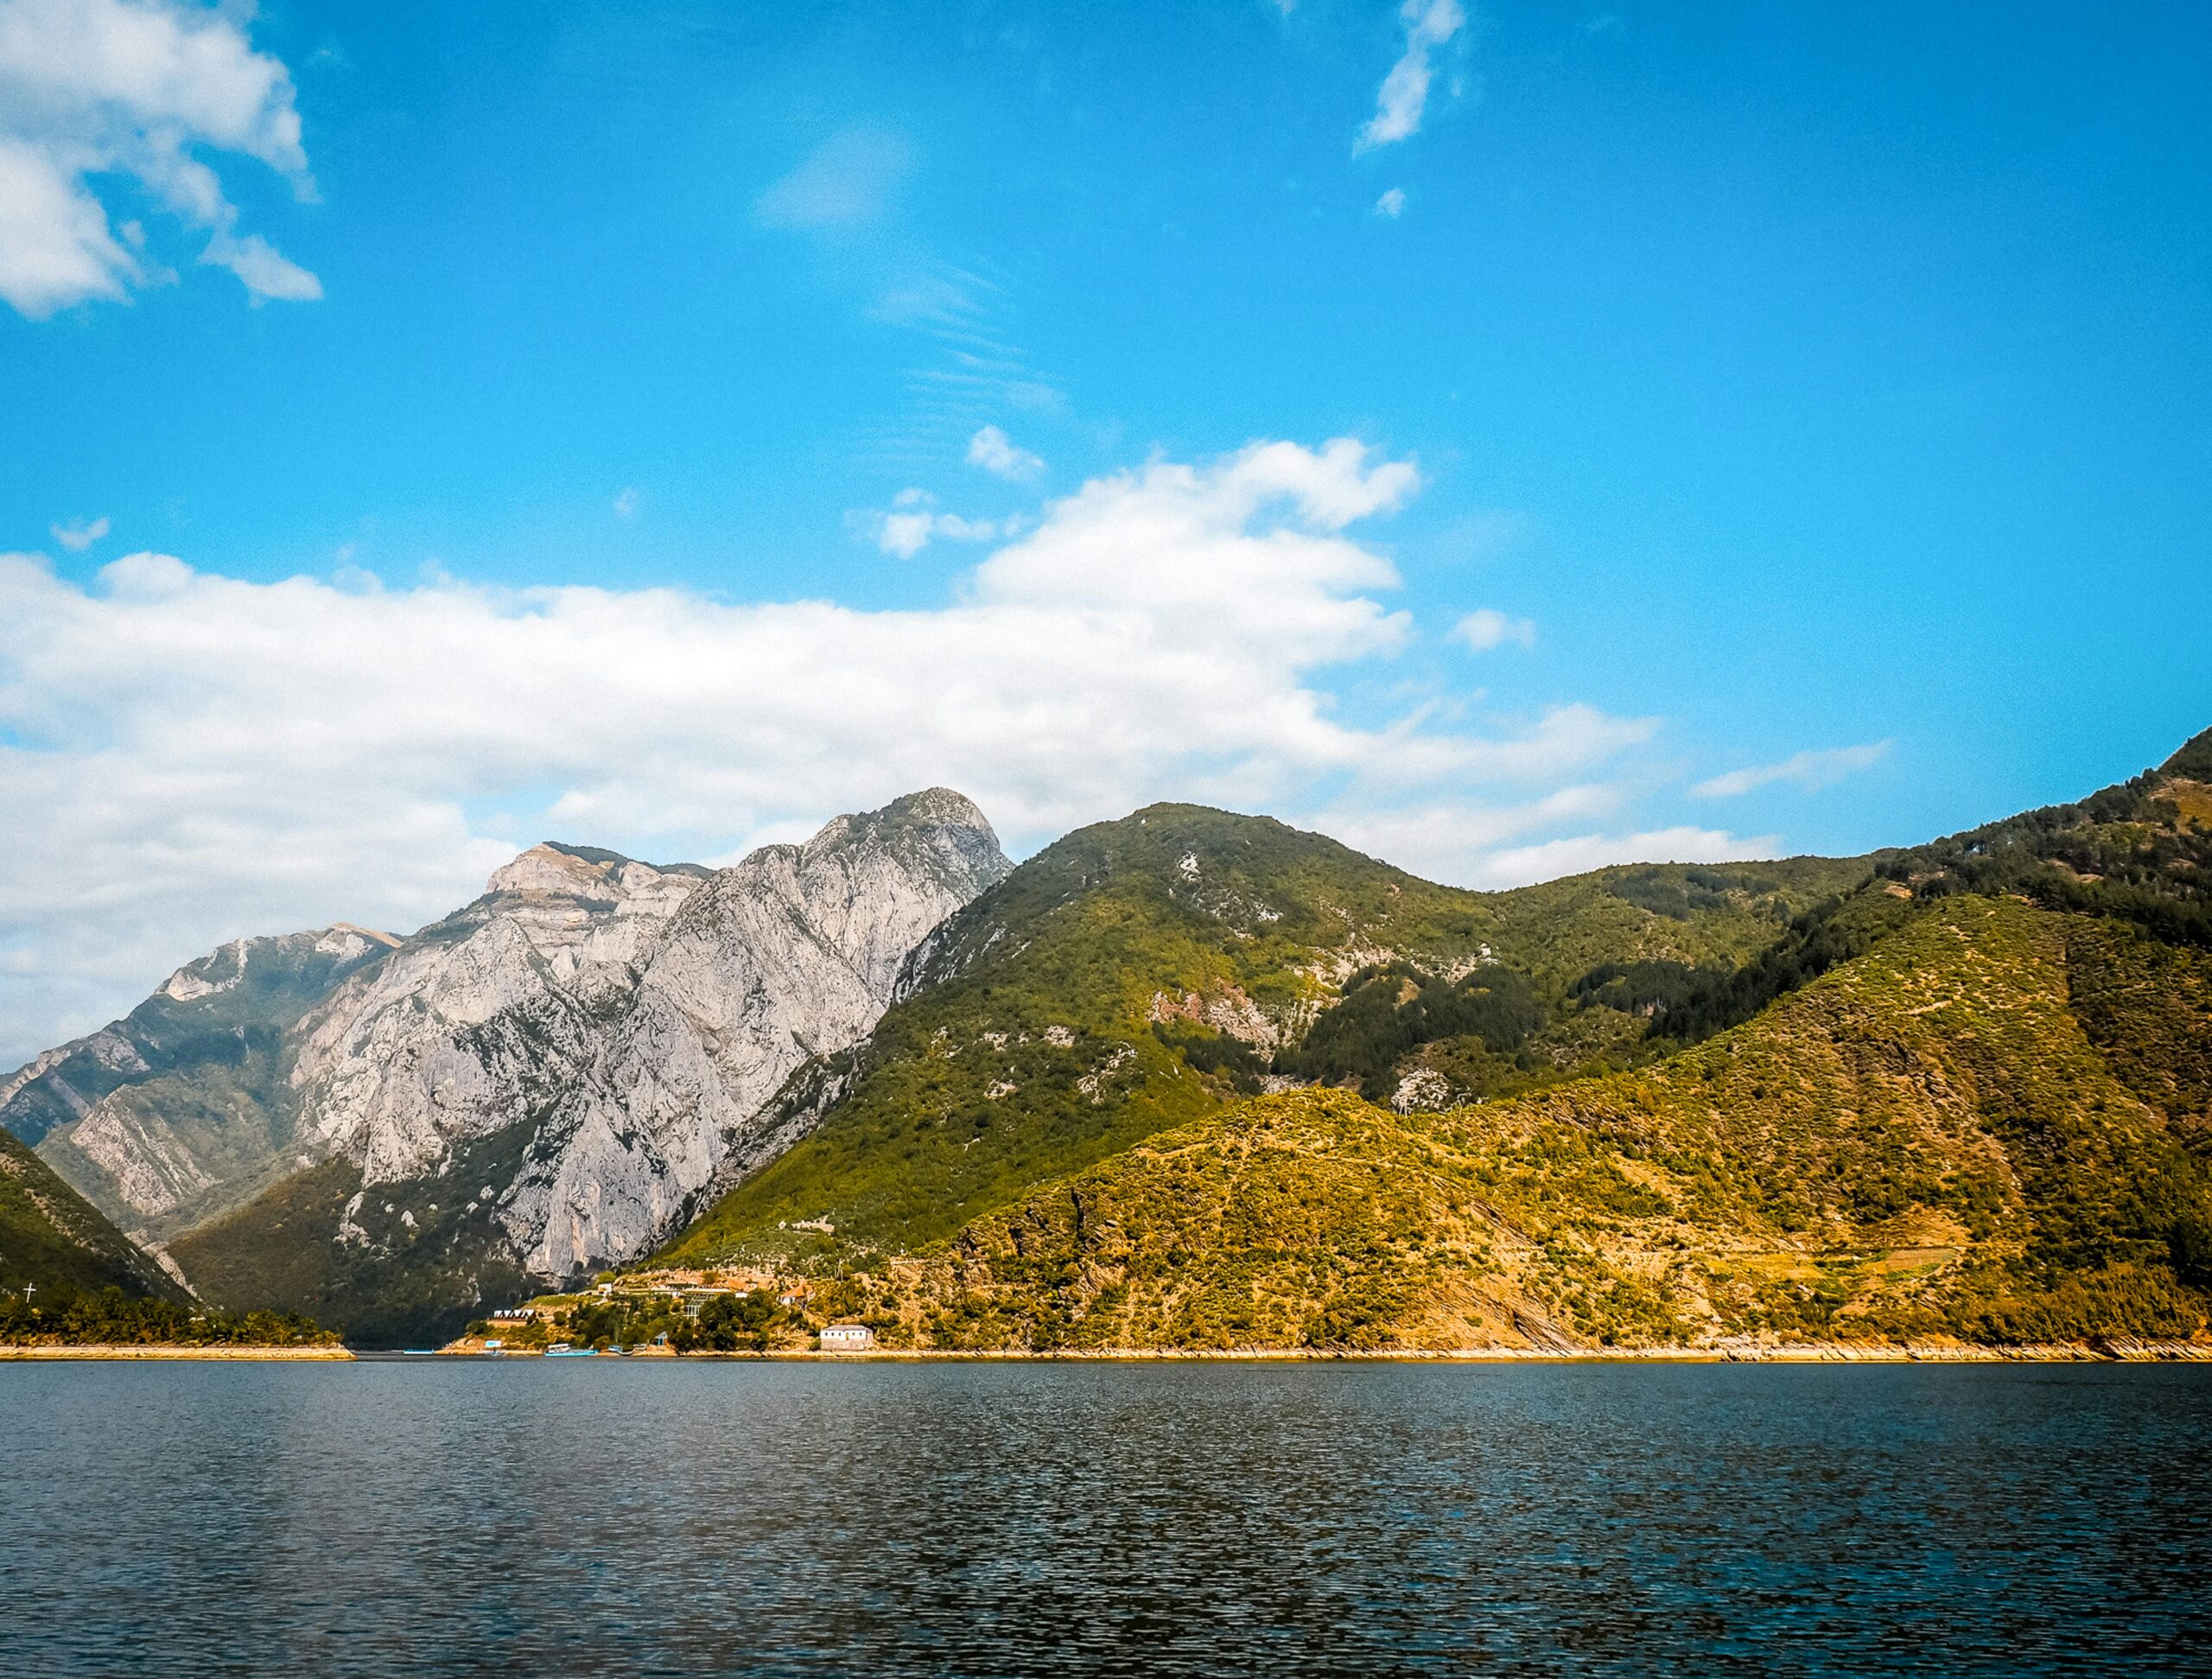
484	1018
637	1018
184	1098
791	954
614	1031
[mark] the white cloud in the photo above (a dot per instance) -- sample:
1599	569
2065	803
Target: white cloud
1486	627
80	534
1392	204
1810	770
137	88
996	453
906	530
626	502
847	179
267	273
186	757
1404	93
1581	852
1438	839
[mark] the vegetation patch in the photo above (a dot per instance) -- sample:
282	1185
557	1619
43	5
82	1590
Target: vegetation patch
114	1318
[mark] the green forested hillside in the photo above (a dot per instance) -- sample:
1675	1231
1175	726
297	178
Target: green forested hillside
52	1239
1939	1139
1139	974
2140	851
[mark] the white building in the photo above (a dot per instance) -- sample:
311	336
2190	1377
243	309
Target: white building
847	1337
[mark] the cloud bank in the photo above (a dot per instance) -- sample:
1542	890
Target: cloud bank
186	757
140	89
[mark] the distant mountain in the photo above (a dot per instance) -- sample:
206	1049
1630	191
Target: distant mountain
55	1243
1139	974
539	1084
224	1012
1962	1090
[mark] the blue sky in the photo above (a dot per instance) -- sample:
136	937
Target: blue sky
1779	381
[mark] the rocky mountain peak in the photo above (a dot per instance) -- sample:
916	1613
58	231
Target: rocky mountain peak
939	807
791	954
944	819
571	872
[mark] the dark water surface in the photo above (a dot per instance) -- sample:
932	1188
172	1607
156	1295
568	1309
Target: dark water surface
591	1517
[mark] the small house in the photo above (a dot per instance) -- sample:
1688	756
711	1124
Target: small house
847	1337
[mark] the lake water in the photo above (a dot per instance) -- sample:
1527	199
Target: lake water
596	1517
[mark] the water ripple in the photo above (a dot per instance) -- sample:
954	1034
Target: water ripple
634	1518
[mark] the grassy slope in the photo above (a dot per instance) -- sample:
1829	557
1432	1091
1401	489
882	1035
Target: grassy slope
964	1099
1927	1142
52	1238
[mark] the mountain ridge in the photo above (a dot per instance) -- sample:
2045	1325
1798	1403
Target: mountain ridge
1120	980
871	1050
2020	1152
542	1082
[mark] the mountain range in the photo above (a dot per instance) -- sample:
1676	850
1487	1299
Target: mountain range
1194	1080
391	1132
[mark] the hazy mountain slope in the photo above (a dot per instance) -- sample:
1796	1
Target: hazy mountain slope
427	1263
209	1013
1929	1140
184	1105
545	1083
1136	975
53	1241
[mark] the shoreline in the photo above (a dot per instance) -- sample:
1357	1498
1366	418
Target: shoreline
265	1355
1811	1352
2115	1351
